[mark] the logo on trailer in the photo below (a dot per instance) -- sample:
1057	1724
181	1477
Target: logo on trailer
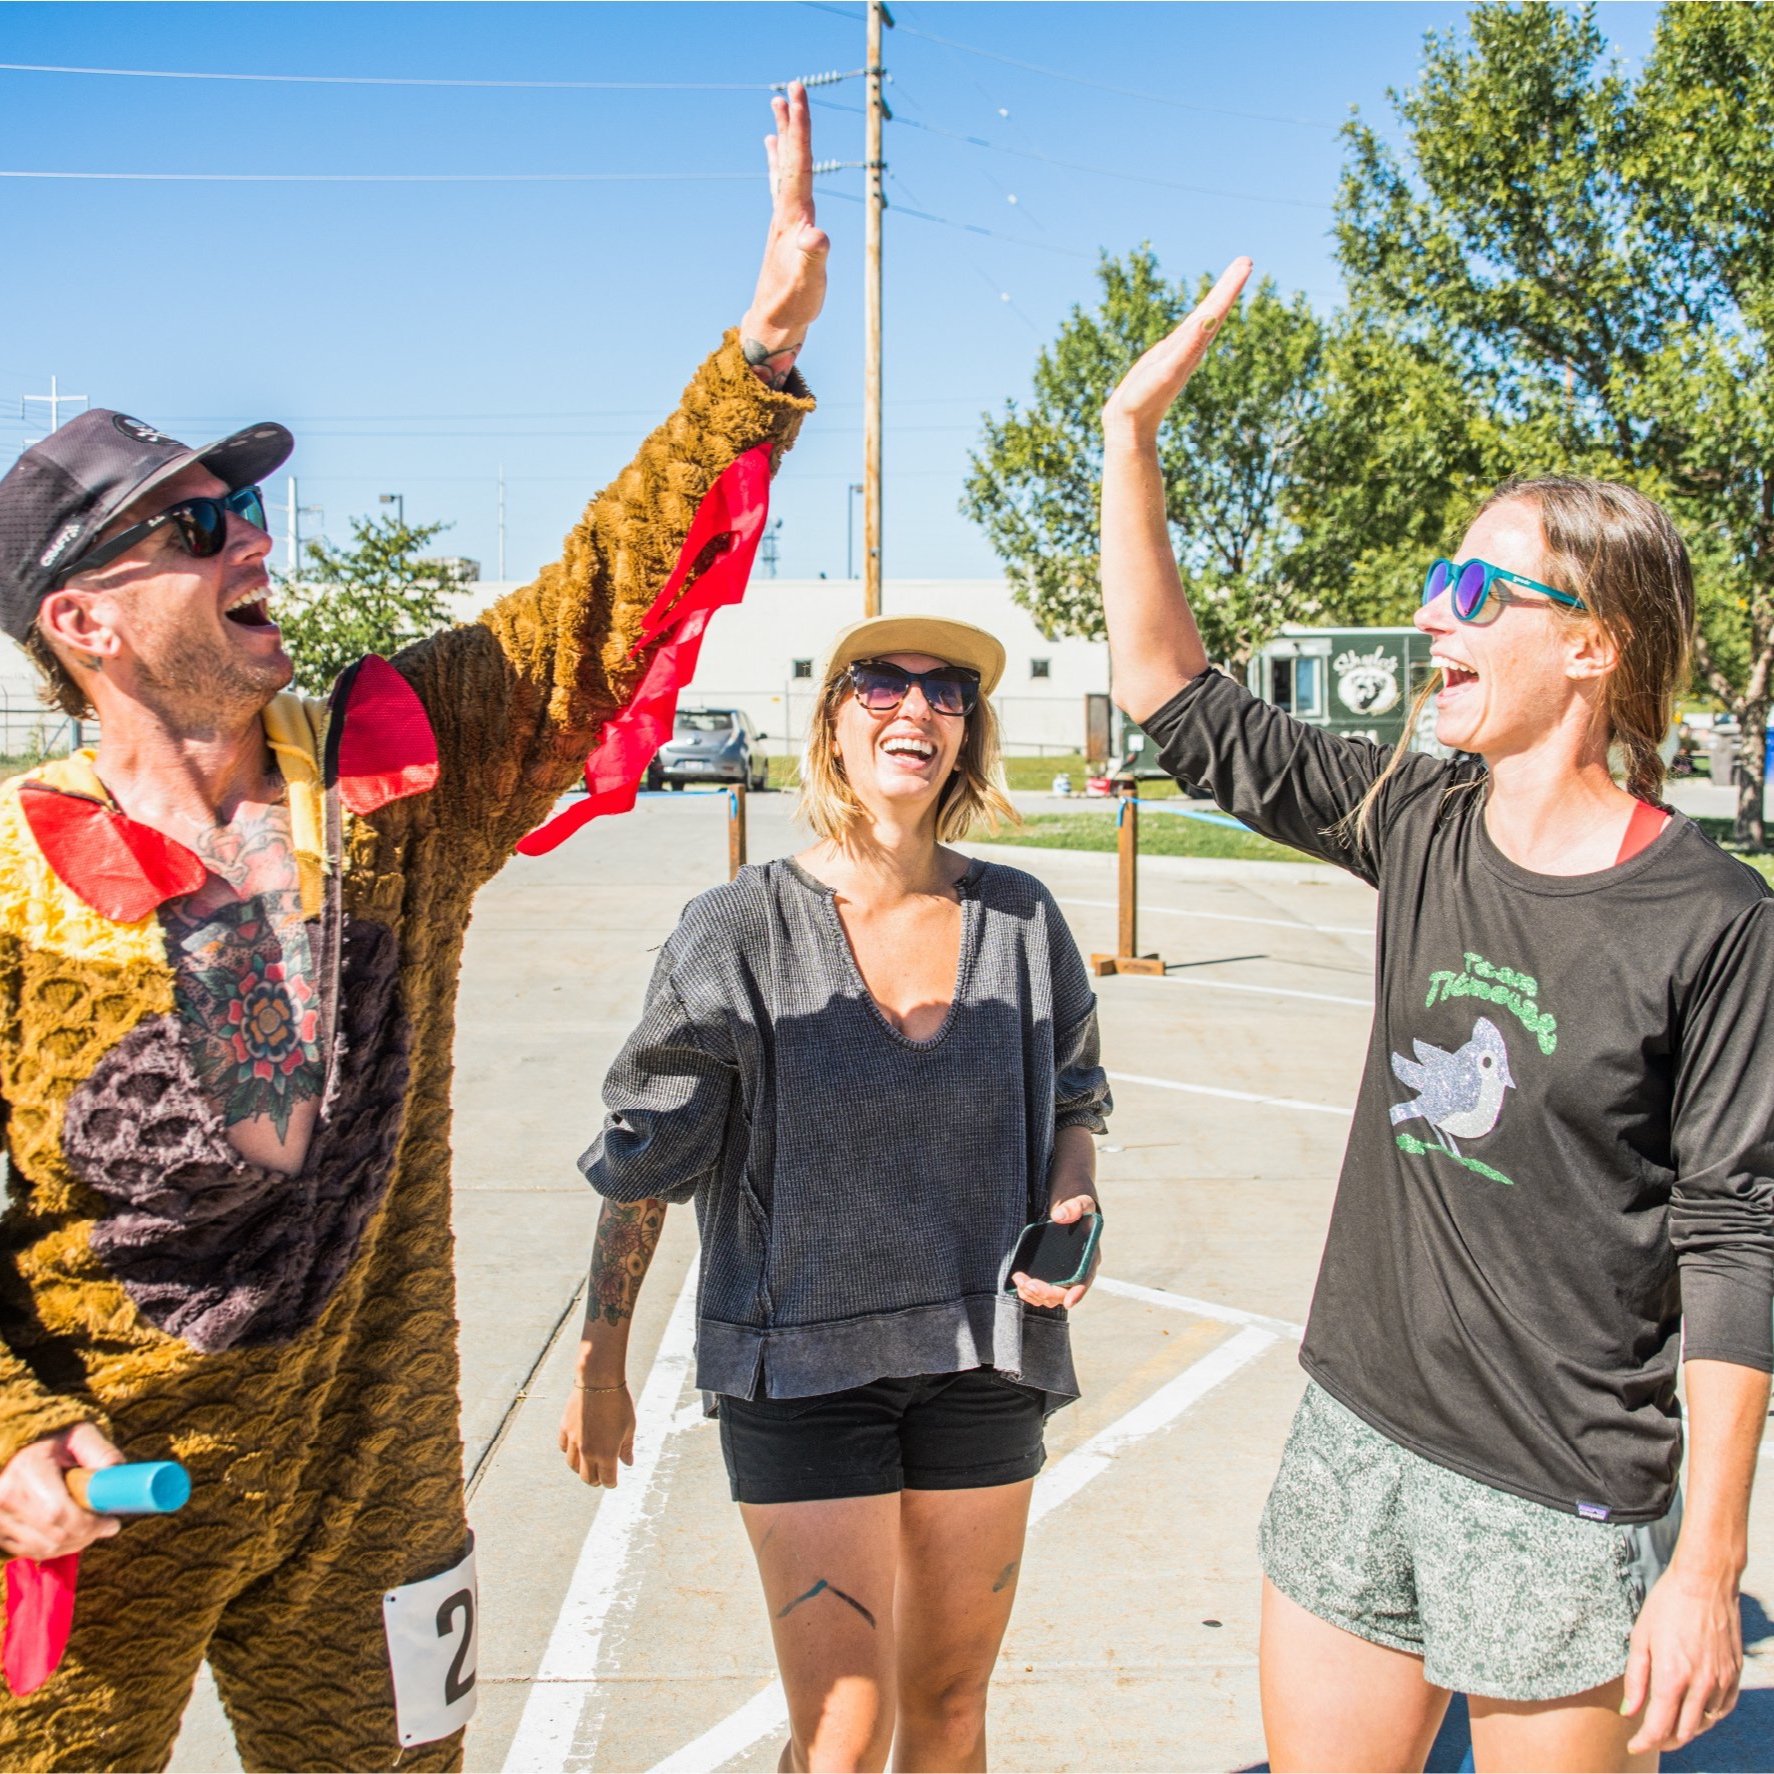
1367	683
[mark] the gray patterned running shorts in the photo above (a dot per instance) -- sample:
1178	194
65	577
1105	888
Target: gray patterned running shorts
1499	1596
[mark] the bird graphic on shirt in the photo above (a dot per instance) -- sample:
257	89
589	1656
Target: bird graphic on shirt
1460	1094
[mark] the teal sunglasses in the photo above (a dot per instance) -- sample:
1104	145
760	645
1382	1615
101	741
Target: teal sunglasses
1474	583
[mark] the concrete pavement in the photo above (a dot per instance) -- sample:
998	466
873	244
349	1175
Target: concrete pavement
624	1629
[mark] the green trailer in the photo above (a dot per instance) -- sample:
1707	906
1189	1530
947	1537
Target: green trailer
1359	682
1356	681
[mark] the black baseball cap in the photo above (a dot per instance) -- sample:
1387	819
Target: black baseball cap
60	494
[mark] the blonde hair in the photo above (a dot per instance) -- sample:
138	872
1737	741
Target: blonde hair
975	794
1620	553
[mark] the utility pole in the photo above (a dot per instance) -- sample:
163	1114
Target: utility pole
53	400
501	522
878	19
293	514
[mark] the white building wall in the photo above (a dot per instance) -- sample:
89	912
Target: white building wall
749	654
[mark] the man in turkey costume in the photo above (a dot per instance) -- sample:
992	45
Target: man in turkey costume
229	947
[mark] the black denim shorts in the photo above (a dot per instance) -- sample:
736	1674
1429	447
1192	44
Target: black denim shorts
934	1432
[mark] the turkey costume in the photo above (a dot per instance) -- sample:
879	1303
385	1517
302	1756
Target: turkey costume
292	1338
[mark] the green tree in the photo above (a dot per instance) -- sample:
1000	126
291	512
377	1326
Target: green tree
1227	452
1592	260
376	596
1400	449
1703	163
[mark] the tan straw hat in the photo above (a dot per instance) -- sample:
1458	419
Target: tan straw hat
955	643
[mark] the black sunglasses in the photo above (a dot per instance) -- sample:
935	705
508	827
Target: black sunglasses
881	687
202	526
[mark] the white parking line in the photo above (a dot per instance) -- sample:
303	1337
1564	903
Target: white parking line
1177	911
1227	985
767	1712
1234	1096
1156	1296
547	1732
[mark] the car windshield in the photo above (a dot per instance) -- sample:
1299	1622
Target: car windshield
704	720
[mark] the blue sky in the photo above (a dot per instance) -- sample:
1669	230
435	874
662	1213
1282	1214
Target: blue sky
417	336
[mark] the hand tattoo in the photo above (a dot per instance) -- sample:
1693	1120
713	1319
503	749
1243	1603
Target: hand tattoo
772	368
627	1235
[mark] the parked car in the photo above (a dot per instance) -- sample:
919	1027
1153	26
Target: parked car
710	745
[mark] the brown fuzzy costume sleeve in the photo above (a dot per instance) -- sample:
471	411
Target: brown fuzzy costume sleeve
517	698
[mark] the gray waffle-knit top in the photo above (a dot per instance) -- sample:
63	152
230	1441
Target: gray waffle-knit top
858	1192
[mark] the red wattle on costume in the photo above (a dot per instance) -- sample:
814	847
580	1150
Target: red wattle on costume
39	1614
122	869
732	514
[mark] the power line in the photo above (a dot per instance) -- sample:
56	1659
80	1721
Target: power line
924	215
393	178
650	412
391	80
1109	172
1126	92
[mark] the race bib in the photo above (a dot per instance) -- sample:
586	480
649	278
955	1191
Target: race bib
433	1651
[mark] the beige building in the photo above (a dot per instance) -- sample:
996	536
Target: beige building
764	656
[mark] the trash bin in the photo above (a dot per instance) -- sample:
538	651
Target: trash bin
1721	748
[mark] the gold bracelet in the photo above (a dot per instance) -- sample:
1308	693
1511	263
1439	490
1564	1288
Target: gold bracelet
580	1386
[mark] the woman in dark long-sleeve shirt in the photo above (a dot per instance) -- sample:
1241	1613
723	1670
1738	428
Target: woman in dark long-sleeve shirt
1561	1166
869	1067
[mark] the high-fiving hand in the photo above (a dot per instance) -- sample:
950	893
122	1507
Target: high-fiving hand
1146	392
791	281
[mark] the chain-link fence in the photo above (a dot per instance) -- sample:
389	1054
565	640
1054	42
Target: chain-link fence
31	732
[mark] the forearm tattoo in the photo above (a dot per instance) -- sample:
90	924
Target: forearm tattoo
772	368
627	1236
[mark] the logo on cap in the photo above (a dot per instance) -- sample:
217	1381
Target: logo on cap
136	429
59	546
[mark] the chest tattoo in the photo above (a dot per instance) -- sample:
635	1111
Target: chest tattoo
244	974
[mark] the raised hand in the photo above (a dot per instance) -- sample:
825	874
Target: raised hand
1154	645
1145	394
791	282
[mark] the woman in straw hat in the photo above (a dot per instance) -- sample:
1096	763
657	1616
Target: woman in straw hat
869	1065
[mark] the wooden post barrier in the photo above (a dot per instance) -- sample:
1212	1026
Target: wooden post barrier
1127	958
735	829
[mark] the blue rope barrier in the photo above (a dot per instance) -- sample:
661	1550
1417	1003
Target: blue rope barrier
1191	813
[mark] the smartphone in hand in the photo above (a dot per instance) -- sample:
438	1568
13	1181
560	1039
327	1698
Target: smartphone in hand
1057	1254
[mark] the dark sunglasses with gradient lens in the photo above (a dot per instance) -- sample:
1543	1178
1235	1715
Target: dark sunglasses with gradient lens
202	527
881	687
1475	583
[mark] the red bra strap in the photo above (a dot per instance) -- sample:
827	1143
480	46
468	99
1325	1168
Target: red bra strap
1646	822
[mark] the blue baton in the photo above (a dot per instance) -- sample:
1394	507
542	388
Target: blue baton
146	1487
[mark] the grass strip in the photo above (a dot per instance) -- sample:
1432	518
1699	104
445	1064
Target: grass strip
1159	836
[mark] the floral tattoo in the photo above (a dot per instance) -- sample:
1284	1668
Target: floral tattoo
627	1235
245	974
